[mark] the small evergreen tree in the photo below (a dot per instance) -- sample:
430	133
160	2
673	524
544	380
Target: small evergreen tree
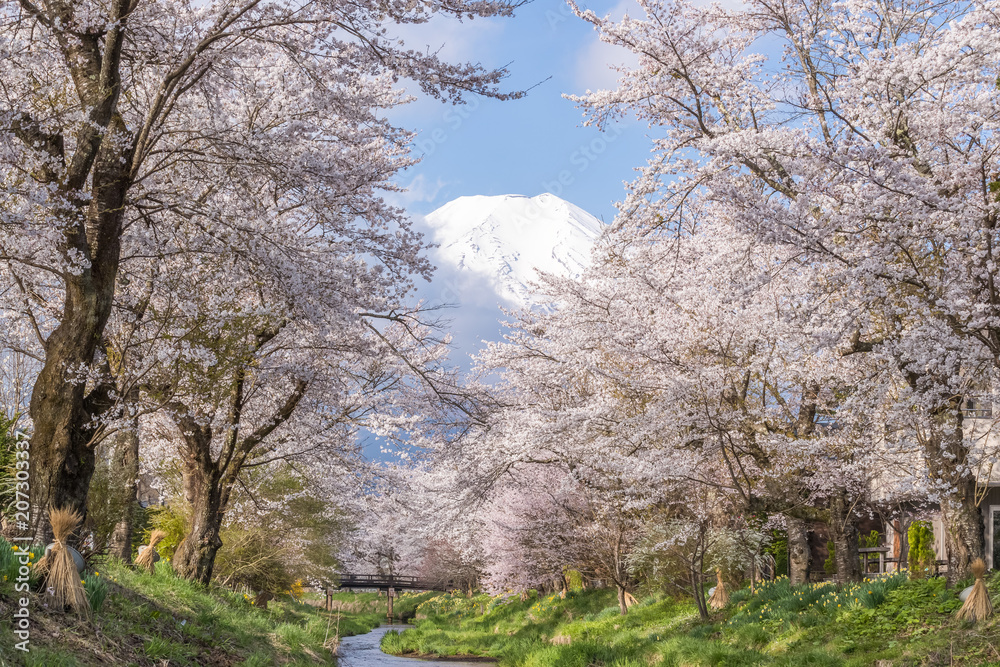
830	564
8	456
921	556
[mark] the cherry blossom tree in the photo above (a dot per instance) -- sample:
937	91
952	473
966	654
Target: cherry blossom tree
864	135
687	359
259	124
686	541
251	364
532	529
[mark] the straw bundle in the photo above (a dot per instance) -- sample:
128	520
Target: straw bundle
720	598
977	606
63	579
42	565
147	556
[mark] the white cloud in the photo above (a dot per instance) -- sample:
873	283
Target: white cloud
419	191
451	39
596	60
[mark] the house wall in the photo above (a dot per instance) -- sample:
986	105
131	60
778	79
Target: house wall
991	499
940	538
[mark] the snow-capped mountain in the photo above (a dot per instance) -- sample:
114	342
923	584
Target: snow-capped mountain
506	238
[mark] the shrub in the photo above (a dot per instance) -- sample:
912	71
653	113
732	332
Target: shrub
779	600
830	564
778	550
172	522
8	458
921	555
254	559
574	579
111	496
871	540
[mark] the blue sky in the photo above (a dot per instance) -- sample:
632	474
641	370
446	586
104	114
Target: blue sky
529	146
532	145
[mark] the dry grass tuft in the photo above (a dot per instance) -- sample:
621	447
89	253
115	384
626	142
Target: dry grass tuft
146	558
720	598
978	606
63	579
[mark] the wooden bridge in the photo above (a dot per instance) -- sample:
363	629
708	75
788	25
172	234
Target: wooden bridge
384	582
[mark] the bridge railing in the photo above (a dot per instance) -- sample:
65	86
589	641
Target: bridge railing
382	581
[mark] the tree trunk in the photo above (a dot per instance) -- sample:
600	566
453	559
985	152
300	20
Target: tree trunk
195	557
963	529
127	455
698	588
844	533
901	543
946	457
62	458
62	463
798	551
208	482
621	599
62	444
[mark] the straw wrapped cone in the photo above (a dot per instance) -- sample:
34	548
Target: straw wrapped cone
147	556
720	598
62	580
977	606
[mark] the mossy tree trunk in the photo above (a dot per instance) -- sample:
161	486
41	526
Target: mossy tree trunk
622	604
126	455
195	556
91	181
844	534
798	550
208	479
947	457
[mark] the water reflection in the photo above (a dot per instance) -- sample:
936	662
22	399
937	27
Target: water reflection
364	651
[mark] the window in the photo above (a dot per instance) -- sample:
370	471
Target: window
993	536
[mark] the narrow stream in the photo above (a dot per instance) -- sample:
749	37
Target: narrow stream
364	651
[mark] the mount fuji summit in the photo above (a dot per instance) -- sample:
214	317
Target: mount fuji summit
504	239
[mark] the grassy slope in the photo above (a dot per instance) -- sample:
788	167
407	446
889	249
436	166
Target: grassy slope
162	619
898	621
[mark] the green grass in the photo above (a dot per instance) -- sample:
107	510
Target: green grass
143	619
891	619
